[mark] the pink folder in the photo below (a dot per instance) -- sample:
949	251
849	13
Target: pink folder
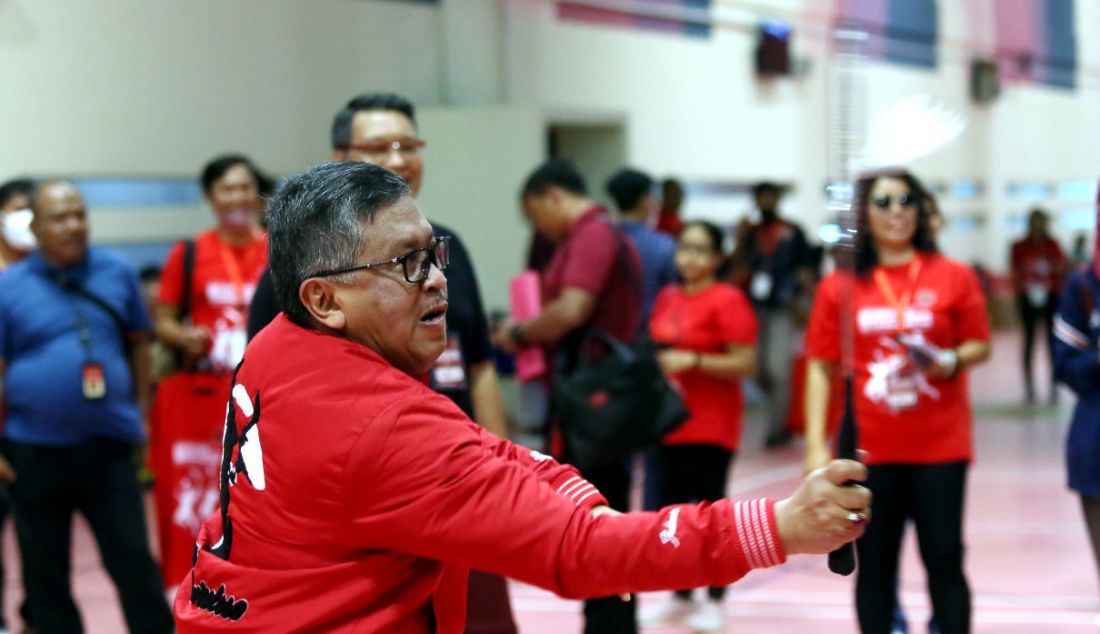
526	298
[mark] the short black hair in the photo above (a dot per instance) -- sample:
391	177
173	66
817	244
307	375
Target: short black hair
627	187
218	166
1035	212
15	187
150	273
317	221
341	123
714	233
555	173
766	187
265	184
923	240
717	239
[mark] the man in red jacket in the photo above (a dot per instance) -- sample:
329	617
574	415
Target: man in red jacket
354	499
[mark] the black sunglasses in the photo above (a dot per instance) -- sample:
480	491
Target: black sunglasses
883	202
416	265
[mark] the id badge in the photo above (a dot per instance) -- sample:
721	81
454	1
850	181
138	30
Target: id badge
1037	295
94	382
761	286
449	371
902	393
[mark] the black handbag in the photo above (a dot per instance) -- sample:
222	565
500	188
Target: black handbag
611	407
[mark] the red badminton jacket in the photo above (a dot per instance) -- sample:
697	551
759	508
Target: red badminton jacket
355	499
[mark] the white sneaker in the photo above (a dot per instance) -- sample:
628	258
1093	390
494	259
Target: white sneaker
708	618
674	611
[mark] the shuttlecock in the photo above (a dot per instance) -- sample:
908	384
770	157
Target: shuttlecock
912	128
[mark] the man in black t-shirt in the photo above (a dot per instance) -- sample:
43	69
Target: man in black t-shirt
381	129
777	267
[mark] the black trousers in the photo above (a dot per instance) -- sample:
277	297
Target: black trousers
693	473
932	495
1033	317
97	479
611	615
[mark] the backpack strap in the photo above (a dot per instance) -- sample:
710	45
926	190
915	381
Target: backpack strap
184	309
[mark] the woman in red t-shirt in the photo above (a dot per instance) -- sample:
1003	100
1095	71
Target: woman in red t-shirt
912	401
708	332
204	320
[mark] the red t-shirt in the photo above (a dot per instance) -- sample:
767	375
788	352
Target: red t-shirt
598	259
359	498
707	322
1037	267
904	417
670	223
222	283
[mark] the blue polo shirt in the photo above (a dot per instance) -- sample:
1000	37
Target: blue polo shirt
44	359
658	253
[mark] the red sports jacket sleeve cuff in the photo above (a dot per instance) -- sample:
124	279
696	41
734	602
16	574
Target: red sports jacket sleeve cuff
758	532
580	491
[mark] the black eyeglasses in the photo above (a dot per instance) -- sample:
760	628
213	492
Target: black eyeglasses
883	202
415	264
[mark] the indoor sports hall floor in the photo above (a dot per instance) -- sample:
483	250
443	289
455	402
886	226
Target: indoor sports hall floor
1029	562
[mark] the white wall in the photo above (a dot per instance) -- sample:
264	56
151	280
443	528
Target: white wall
474	164
158	87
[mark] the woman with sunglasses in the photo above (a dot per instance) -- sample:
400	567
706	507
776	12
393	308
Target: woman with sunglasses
919	322
707	331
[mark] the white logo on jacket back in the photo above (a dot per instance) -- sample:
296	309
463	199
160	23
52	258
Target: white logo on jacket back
668	535
251	457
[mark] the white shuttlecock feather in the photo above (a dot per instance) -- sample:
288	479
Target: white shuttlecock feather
912	128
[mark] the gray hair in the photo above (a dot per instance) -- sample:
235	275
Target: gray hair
316	222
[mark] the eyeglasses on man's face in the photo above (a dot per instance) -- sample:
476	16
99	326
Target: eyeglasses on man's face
379	150
882	203
416	265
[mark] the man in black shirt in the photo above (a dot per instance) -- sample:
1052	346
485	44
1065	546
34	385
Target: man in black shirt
381	129
778	264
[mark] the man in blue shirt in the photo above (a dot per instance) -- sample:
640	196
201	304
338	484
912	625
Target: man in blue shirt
631	191
74	356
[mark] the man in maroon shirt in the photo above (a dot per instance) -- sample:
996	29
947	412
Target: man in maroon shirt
355	499
593	281
1038	269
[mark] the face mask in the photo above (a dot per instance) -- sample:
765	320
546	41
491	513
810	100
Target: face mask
17	230
237	220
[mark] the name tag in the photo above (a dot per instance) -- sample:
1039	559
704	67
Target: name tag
449	371
94	382
1037	295
761	286
902	393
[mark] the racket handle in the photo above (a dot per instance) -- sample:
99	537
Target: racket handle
842	561
847	437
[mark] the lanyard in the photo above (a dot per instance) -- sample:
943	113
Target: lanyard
899	304
83	329
233	270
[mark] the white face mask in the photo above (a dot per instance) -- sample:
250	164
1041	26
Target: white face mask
17	230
